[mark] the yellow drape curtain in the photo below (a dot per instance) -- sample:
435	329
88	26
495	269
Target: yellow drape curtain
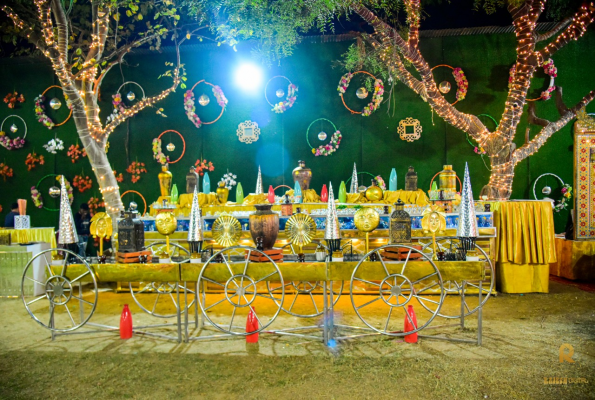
47	235
525	246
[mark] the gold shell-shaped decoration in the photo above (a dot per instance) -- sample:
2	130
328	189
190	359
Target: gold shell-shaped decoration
101	225
300	229
366	219
227	230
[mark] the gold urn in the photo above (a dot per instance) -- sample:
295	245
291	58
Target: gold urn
165	178
222	193
374	192
448	179
303	175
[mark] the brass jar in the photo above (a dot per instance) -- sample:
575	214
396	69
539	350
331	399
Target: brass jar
222	193
303	175
165	178
264	223
448	179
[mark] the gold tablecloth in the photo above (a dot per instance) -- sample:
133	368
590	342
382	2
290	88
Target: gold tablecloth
576	259
47	235
525	246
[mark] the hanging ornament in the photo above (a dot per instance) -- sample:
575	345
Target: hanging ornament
290	96
361	93
322	135
546	190
203	100
444	87
170	147
54	192
131	96
13	128
55	103
280	93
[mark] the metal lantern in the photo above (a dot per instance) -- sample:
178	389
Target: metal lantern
131	232
361	93
444	87
131	96
411	180
55	103
170	147
203	100
400	225
280	93
14	128
54	192
322	135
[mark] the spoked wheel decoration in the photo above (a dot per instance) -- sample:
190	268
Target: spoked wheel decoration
157	298
239	282
471	290
400	285
314	304
64	306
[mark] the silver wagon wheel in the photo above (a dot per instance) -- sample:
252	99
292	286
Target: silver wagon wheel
400	286
471	300
313	307
238	282
61	307
157	298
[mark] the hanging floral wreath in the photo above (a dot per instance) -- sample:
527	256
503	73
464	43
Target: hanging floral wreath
36	196
11	99
331	146
38	199
5	171
285	105
82	183
32	160
460	79
550	69
40	109
74	152
119	106
566	196
203	166
136	168
376	97
8	143
54	145
158	154
190	107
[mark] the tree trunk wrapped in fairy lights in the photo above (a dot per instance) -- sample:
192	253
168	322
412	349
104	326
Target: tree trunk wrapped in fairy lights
498	144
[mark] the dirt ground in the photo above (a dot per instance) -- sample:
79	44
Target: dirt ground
522	335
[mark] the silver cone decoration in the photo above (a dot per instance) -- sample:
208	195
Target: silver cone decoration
259	182
354	184
67	231
332	229
467	221
195	225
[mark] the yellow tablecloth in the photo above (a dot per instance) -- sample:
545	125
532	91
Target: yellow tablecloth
576	259
525	246
47	235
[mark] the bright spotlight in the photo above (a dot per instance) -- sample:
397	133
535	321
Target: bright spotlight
248	76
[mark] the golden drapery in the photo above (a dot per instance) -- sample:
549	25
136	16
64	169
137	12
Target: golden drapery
47	235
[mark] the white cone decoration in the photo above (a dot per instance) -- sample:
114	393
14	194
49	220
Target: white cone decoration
67	230
467	220
332	229
354	183
195	225
258	182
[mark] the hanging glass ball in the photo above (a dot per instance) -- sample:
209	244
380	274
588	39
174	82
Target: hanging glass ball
170	147
13	128
444	87
131	96
55	103
54	192
361	93
322	135
280	93
546	190
203	100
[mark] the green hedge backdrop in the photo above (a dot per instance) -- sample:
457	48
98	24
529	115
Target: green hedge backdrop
371	142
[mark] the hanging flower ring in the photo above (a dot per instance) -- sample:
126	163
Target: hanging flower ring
40	109
190	108
282	106
376	97
8	143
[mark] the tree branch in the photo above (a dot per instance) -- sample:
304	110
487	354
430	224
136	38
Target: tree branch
577	28
534	119
32	36
546	35
413	17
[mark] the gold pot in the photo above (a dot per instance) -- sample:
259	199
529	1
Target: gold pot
303	175
264	223
448	179
222	193
374	193
165	178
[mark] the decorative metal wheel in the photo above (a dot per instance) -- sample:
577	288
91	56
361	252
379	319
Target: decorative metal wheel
64	306
238	281
471	301
157	298
314	305
400	285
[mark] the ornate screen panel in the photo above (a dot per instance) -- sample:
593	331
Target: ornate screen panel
584	176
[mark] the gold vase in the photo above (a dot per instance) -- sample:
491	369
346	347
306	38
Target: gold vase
448	179
222	193
165	178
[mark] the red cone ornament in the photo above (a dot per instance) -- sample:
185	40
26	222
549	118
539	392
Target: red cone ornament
271	195
412	338
251	326
324	194
126	323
